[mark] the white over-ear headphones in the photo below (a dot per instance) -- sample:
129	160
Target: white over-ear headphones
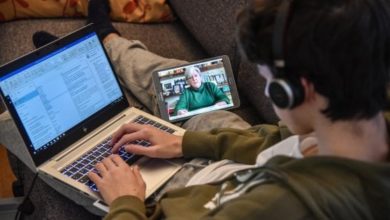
283	91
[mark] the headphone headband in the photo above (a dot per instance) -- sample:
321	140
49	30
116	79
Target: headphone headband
280	27
284	91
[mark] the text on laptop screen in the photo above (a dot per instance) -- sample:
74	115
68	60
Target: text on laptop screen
175	87
58	91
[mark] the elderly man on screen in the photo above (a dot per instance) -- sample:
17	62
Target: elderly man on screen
199	94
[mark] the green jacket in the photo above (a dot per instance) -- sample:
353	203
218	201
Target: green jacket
310	188
206	95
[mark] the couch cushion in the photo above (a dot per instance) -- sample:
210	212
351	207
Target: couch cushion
173	40
122	10
251	85
212	22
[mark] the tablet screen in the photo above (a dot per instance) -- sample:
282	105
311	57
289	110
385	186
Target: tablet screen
196	88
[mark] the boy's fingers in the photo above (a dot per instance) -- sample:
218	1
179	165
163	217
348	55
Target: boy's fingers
140	150
95	178
126	139
124	129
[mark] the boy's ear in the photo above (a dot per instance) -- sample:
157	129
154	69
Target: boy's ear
309	91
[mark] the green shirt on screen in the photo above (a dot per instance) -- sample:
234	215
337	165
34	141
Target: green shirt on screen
206	95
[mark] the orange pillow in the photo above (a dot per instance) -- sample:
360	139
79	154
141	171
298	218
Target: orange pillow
139	11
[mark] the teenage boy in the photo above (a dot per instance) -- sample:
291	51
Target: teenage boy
326	64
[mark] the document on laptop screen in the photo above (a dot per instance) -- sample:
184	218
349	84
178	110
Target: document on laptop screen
58	91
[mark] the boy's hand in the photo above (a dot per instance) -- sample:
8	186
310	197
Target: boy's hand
163	144
118	179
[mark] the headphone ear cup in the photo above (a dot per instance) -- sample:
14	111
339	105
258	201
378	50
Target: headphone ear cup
284	94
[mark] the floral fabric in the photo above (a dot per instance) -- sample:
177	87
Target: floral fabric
139	11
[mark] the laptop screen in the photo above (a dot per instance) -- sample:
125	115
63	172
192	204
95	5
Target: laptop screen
60	90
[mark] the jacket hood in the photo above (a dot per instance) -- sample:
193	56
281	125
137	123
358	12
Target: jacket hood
338	188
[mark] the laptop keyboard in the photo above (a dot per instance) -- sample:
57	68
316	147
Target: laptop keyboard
79	169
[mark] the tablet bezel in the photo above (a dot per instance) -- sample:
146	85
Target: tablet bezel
230	80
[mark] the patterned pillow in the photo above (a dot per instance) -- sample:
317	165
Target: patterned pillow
139	11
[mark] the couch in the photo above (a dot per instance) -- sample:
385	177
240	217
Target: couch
203	28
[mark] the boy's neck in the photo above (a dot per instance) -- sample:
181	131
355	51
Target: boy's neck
365	140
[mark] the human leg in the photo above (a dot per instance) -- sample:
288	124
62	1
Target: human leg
216	119
99	14
134	65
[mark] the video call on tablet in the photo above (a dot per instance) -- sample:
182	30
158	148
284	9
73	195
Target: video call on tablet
198	87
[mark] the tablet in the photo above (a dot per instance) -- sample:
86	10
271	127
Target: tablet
195	88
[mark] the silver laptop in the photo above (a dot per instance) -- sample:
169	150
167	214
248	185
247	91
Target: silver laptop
66	102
